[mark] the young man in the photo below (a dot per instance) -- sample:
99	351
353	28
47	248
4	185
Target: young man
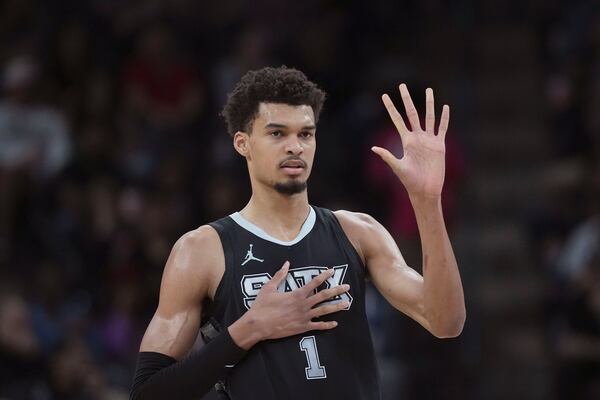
297	331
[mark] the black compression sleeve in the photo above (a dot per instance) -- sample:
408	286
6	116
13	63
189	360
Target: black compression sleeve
159	376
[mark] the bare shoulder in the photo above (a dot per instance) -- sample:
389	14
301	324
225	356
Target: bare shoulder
197	242
361	229
353	217
197	259
355	222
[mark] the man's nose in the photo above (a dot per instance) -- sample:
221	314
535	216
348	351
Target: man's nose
293	146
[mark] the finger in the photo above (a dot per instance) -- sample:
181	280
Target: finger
279	276
429	112
328	309
317	281
444	120
385	155
394	115
411	111
327	294
321	325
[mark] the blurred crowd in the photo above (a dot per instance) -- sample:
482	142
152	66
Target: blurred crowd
111	147
565	226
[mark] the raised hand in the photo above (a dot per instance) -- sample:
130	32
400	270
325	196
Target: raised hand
422	167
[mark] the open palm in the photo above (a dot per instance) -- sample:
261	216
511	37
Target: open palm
422	168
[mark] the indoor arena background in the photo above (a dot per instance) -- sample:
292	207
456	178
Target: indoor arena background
111	147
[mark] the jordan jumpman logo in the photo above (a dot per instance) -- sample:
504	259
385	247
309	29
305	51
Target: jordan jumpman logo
250	256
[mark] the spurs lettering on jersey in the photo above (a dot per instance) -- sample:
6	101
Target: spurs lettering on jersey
296	278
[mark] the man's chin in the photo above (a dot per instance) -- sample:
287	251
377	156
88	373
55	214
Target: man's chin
290	187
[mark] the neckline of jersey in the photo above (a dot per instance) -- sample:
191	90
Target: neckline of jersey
307	226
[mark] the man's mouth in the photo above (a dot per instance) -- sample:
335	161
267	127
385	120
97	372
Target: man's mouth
293	167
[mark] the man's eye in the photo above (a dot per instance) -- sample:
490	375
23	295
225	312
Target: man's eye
307	134
276	133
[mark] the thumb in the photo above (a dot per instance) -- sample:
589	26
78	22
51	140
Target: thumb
280	275
385	155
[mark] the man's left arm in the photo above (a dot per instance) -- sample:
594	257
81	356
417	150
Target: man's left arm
436	298
442	288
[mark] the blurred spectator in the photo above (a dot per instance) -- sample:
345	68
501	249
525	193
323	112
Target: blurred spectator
160	86
75	376
35	142
578	336
34	137
21	362
575	299
579	249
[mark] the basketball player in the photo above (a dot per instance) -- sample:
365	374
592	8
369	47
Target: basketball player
284	281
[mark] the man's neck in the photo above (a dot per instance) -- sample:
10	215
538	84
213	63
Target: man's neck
279	215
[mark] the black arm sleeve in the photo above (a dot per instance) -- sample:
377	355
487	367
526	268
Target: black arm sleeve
159	377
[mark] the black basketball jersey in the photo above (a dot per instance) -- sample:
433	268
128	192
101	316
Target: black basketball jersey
334	364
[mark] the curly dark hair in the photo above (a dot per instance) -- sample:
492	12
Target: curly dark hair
269	85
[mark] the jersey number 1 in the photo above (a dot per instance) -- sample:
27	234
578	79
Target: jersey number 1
315	370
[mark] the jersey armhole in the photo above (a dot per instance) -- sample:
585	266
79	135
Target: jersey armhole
347	243
218	300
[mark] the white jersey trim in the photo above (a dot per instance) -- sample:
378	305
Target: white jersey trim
307	226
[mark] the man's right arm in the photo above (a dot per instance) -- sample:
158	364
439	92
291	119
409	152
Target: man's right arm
185	284
193	269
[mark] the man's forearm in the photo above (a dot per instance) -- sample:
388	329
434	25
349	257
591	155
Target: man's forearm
443	292
159	376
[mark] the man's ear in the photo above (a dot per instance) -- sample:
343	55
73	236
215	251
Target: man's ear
241	142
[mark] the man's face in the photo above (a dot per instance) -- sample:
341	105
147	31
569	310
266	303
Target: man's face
281	148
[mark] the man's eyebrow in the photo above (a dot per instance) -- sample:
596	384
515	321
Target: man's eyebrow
276	125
